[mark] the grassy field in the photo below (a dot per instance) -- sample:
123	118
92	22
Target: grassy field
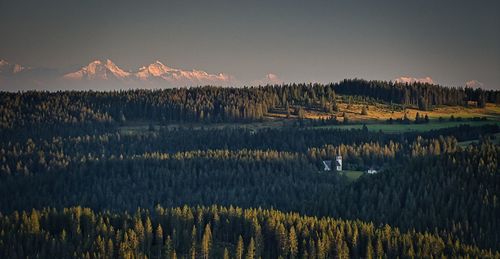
383	112
141	128
352	175
375	119
396	128
135	127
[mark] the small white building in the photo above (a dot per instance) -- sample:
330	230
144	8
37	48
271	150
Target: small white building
327	164
371	171
338	163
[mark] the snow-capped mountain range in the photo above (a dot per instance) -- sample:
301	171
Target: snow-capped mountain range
157	71
105	74
98	70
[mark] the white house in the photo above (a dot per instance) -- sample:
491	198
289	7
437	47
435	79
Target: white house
338	163
327	164
371	171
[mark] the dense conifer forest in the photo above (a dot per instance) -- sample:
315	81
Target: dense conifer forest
75	183
216	104
213	232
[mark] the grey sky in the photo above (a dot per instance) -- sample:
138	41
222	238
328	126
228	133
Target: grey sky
300	41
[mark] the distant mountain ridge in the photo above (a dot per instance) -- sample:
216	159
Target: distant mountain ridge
98	70
157	71
105	75
7	68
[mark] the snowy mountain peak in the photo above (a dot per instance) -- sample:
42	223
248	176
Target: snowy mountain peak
156	69
98	70
117	71
106	75
155	72
110	63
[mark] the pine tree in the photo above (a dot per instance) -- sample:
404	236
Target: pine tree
33	223
293	243
346	119
192	249
110	249
369	250
206	242
380	248
345	251
335	107
364	110
257	233
250	250
287	107
149	236
159	240
301	113
159	235
239	248
101	247
283	240
417	118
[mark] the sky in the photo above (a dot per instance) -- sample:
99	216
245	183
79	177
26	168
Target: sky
448	42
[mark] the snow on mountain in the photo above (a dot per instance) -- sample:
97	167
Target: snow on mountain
98	70
174	76
411	80
156	69
269	79
156	72
106	75
474	84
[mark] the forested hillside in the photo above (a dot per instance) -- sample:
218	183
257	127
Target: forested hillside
74	183
426	194
216	104
212	232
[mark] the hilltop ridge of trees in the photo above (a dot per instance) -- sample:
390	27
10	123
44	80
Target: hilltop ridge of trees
215	104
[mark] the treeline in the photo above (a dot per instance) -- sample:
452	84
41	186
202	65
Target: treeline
360	147
373	154
173	140
423	95
212	232
457	193
216	104
427	192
